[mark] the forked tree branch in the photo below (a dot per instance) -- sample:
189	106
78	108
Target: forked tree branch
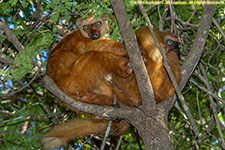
170	73
198	45
104	111
143	81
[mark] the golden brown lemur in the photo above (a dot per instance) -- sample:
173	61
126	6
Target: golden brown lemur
76	128
161	83
81	65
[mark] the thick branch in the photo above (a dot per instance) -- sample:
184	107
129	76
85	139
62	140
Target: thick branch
199	43
153	130
104	111
130	40
11	37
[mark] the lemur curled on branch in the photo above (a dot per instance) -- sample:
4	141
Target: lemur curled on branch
161	83
79	66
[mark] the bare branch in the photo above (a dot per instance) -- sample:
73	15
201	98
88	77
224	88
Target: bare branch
172	18
104	111
159	112
11	37
151	6
213	106
162	17
207	91
142	77
119	142
198	46
218	26
186	23
196	8
169	71
25	86
106	135
208	130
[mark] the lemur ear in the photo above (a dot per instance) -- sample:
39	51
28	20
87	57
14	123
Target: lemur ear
78	21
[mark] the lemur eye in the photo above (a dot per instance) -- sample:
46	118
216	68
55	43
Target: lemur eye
169	42
85	27
98	24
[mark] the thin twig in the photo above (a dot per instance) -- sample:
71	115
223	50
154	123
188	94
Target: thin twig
106	135
39	99
150	7
213	105
25	116
109	125
22	88
172	18
207	91
86	141
162	17
196	8
209	128
119	143
199	108
180	110
186	23
218	26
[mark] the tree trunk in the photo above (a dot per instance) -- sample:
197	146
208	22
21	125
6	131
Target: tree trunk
153	128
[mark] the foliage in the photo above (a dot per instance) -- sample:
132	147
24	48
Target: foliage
29	113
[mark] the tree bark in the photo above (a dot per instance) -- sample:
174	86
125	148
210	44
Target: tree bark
153	129
151	122
149	119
